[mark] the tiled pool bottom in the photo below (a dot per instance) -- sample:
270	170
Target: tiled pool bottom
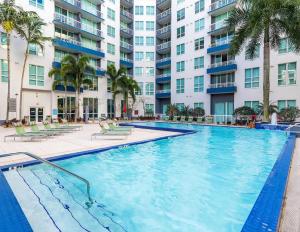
206	181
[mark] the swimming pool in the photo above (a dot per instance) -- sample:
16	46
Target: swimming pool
207	181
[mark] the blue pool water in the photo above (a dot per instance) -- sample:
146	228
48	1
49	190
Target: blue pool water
207	181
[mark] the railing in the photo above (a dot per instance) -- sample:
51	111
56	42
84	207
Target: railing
163	14
91	10
85	181
225	63
222	85
163	30
126	45
220	4
76	42
158	2
126	59
74	2
127	30
67	20
91	30
163	60
163	91
163	45
218	25
128	1
163	75
221	42
126	14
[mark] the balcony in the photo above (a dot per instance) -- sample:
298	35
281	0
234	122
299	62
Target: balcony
219	46
163	48
164	17
126	32
127	3
163	63
128	63
222	88
126	16
165	93
222	67
126	47
163	78
163	4
74	46
164	33
218	27
76	26
221	6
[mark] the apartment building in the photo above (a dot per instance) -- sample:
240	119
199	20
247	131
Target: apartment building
177	51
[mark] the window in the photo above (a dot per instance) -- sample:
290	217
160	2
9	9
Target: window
149	41
4	71
36	75
37	3
139	40
180	49
180	14
139	10
35	49
92	105
111	48
285	46
111	31
138	71
3	39
180	66
94	85
139	25
199	43
140	91
111	14
180	106
287	74
150	71
180	32
199	25
199	6
150	10
149	56
198	84
199	62
149	88
180	85
199	105
252	78
109	85
252	104
149	108
281	104
149	26
255	55
138	56
109	62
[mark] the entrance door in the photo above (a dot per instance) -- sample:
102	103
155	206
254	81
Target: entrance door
36	114
165	108
223	111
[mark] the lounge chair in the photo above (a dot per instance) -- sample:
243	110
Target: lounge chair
116	126
66	126
182	119
62	130
21	133
190	119
175	118
200	119
209	119
105	127
36	129
103	132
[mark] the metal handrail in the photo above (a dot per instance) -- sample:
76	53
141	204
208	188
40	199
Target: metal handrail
88	186
291	126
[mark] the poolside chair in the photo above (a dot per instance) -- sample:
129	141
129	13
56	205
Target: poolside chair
175	118
105	127
66	126
209	119
200	119
36	129
63	130
21	133
190	119
182	119
114	125
115	134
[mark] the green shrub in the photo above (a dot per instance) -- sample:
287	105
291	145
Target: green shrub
289	114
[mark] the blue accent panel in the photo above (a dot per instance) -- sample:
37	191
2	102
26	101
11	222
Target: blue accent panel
126	63
77	48
162	80
225	68
163	95
221	90
163	64
56	64
69	88
265	213
99	72
12	218
218	48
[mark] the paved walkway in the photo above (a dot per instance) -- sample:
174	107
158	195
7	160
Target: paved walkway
290	221
68	143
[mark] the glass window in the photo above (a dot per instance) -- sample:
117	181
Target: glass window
199	25
180	14
149	71
138	71
180	49
35	49
111	48
149	108
199	6
180	66
111	14
111	31
149	56
149	88
252	104
150	10
256	54
138	56
139	10
140	91
94	86
180	32
36	75
180	85
198	84
149	25
281	104
199	105
139	40
149	41
4	71
252	78
90	104
287	74
37	3
139	25
285	46
199	62
3	39
199	43
180	106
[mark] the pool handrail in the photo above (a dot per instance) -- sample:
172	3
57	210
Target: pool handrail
88	186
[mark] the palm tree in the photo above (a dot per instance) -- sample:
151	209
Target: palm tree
79	72
172	110
258	21
9	14
30	29
272	108
114	76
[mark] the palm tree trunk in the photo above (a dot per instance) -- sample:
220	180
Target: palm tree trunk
77	105
266	81
22	80
65	104
8	77
115	107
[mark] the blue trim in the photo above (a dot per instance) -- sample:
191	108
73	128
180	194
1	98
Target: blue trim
12	217
126	63
162	80
266	211
77	48
69	88
225	68
99	72
56	64
231	89
163	64
267	126
163	95
218	48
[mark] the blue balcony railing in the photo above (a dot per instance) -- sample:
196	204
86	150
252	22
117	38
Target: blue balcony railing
163	63
163	78
128	63
227	66
165	93
221	4
221	88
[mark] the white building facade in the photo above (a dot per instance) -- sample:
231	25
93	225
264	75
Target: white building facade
177	51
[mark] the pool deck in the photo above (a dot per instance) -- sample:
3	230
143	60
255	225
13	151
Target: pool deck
290	220
70	142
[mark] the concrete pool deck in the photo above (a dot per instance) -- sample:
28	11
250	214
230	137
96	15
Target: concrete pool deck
69	143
